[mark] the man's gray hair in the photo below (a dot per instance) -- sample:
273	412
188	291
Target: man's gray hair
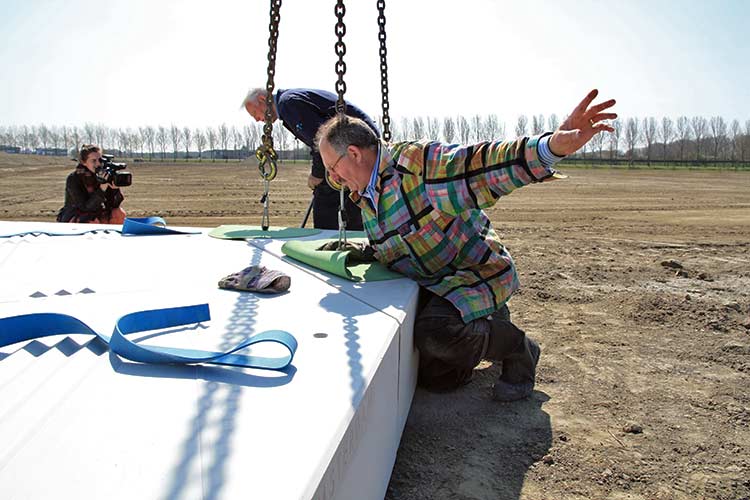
343	131
252	95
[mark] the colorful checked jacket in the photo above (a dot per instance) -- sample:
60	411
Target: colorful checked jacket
426	220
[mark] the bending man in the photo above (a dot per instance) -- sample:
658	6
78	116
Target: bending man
303	111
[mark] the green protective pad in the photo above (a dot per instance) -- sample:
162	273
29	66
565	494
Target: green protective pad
238	232
335	262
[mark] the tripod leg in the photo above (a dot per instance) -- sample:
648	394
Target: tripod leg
307	213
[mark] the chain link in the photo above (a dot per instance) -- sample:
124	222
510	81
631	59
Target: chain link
265	153
340	49
384	72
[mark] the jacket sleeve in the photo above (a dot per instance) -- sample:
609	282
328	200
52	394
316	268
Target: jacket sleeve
317	169
459	178
80	198
112	198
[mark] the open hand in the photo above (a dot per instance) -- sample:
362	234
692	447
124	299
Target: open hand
312	181
582	124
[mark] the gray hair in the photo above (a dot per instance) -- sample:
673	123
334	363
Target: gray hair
252	95
343	131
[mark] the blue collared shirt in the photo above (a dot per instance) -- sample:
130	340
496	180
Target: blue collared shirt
369	191
546	156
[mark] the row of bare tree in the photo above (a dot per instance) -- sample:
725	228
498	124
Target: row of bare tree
162	140
695	138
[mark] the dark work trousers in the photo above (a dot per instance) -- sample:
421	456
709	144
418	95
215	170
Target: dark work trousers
326	209
449	349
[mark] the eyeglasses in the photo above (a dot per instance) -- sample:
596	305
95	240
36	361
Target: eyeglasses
332	167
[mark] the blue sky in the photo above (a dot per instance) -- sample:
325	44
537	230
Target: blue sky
129	63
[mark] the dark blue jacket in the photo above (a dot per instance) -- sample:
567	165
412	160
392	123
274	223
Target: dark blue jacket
303	111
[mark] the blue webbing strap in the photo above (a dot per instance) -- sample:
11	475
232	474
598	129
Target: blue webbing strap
136	226
30	326
34	326
142	226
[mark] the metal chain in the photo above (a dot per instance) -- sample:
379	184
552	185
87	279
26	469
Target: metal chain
273	30
384	72
265	153
340	49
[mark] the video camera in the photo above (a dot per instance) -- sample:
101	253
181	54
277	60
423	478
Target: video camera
111	172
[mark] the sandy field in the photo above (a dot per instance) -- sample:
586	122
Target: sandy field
636	283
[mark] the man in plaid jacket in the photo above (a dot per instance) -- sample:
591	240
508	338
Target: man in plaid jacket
422	208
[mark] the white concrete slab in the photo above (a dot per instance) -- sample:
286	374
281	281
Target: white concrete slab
397	298
78	422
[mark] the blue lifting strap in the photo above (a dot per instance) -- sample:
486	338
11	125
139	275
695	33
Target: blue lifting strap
31	326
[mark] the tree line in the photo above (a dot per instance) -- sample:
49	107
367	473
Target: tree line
694	138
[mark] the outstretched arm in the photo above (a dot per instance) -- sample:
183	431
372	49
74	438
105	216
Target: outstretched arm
459	178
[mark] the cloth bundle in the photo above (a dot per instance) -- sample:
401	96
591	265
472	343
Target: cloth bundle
256	279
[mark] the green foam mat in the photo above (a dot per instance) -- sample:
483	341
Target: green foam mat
239	232
334	262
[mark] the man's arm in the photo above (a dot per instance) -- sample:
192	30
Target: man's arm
459	178
317	170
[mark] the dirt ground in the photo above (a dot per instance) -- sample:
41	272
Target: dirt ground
636	284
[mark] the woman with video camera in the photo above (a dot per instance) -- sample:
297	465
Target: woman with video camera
88	197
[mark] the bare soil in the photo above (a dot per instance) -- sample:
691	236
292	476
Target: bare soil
636	283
